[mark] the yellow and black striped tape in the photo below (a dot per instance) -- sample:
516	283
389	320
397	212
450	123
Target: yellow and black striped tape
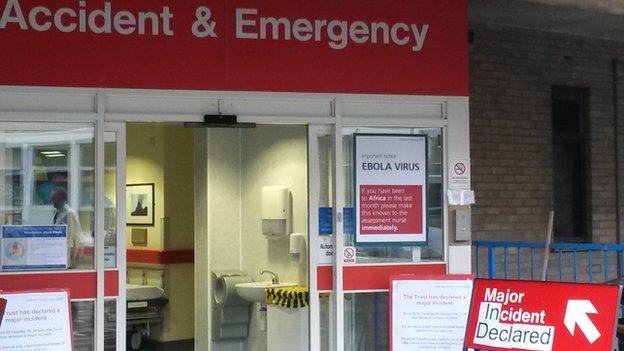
289	297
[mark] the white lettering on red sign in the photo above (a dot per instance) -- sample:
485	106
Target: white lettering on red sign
542	316
98	21
502	325
338	34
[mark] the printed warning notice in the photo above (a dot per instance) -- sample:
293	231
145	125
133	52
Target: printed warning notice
36	321
388	209
391	178
429	312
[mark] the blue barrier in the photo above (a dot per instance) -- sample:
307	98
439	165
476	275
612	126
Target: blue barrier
526	269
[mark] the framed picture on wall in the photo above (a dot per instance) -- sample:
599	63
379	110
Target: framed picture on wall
140	204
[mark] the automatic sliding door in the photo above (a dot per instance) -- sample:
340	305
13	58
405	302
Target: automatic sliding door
377	257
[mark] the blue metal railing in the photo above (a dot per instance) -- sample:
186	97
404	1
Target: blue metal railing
608	258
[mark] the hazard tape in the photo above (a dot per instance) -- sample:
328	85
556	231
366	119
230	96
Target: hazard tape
289	297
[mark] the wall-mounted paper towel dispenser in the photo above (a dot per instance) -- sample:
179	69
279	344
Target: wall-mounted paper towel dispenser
276	211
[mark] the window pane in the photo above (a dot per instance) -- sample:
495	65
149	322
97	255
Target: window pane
366	322
326	161
47	177
326	322
569	163
82	325
110	200
110	325
83	322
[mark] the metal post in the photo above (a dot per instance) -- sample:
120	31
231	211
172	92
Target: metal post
491	262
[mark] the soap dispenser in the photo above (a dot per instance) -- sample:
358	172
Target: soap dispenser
297	247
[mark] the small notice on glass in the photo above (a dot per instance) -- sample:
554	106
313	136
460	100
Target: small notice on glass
33	247
460	197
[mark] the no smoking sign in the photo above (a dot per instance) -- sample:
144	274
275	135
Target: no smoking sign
348	255
459	174
459	168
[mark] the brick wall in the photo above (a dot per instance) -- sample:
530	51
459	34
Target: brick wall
511	74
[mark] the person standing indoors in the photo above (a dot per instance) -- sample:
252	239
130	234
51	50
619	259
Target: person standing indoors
63	214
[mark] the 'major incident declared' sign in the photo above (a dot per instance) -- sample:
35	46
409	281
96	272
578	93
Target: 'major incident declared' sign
390	185
35	321
542	316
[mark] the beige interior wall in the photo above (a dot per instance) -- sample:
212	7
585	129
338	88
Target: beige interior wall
224	212
202	283
163	154
179	191
224	199
273	155
239	163
145	158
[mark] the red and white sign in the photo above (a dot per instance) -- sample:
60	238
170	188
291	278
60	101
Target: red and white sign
2	307
39	320
352	46
391	186
542	316
429	312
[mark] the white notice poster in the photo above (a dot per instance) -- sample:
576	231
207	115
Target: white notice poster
429	314
391	188
35	321
33	247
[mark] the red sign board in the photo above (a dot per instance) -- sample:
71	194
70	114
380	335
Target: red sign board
2	308
542	316
403	196
352	46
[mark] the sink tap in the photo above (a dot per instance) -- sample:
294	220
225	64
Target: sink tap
274	277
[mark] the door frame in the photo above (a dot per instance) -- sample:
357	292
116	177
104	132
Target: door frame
121	264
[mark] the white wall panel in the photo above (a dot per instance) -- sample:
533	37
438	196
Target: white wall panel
385	109
162	104
282	107
19	101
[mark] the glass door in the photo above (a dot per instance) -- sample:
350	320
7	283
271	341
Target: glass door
321	238
390	189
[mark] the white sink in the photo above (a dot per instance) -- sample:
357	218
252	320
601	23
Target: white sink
256	291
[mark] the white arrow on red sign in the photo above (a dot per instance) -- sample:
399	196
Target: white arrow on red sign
576	314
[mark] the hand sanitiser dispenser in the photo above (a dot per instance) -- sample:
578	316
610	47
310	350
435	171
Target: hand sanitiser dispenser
276	211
